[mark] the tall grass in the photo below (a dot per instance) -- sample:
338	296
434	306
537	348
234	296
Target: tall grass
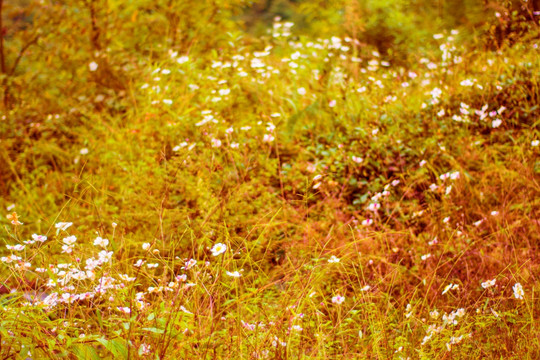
280	197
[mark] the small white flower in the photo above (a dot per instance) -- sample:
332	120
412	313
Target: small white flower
436	93
101	242
235	274
105	256
408	311
182	59
10	258
301	91
357	159
139	263
17	247
374	206
535	143
126	277
93	66
333	259
67	249
63	225
477	223
338	299
367	222
218	249
185	310
518	291
224	92
190	263
489	283
70	240
83	151
145	350
450	287
146	246
496	123
40	238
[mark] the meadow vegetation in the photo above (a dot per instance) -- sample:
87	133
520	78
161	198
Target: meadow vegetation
270	180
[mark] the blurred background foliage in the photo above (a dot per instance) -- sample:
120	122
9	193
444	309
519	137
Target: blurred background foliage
47	44
398	28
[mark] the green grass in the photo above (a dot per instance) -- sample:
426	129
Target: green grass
283	207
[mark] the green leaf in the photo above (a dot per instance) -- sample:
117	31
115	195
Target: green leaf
116	347
83	351
154	330
99	319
